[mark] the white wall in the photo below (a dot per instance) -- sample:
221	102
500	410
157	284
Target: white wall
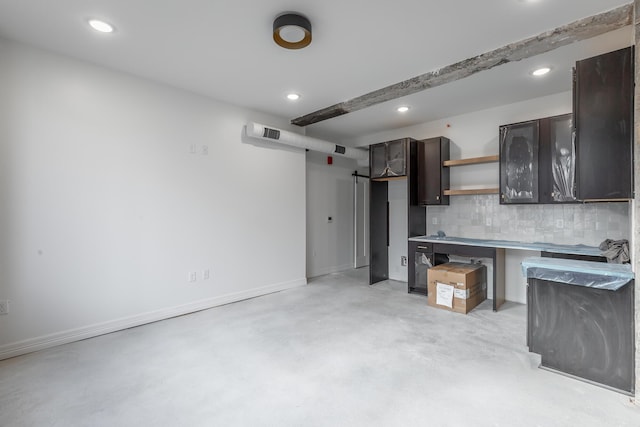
329	194
476	134
105	210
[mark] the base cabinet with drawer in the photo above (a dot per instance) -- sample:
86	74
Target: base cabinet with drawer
421	258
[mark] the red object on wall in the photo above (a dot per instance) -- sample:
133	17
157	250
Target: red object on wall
329	160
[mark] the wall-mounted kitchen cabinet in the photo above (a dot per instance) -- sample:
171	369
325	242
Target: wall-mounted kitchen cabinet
557	154
519	145
603	107
538	161
388	159
433	177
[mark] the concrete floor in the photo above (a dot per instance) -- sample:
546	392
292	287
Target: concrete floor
335	353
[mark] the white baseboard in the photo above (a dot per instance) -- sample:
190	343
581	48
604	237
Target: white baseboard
64	337
329	270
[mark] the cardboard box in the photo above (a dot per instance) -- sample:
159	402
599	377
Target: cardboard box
456	286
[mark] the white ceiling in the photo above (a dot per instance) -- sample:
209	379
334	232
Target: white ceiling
224	49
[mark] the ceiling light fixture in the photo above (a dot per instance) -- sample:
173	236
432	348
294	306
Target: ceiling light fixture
402	109
541	71
292	31
293	96
101	26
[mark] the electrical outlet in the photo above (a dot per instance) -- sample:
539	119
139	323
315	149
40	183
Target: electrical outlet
4	306
434	220
488	222
205	274
329	219
205	150
193	149
403	261
559	223
192	277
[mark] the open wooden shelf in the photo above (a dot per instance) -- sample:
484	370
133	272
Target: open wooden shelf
471	161
390	178
471	191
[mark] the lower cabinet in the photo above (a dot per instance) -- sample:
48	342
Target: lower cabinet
421	258
584	332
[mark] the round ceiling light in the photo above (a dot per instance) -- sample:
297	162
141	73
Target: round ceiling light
402	109
292	31
293	96
101	26
541	71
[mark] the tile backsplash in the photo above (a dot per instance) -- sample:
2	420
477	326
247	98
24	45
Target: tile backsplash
482	217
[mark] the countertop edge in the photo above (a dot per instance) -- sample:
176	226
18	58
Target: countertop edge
525	246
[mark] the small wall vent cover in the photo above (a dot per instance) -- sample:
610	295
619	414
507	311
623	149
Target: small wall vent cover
271	133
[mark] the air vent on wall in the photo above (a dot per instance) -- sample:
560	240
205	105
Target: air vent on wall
271	133
340	149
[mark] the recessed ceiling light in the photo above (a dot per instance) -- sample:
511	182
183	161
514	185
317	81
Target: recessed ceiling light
402	109
101	26
293	96
541	71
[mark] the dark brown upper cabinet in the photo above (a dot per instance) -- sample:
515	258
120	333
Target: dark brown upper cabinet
519	145
388	159
433	178
603	107
557	171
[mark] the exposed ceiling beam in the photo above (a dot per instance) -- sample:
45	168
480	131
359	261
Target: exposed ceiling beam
578	30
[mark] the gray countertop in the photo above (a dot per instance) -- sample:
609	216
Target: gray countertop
509	244
581	273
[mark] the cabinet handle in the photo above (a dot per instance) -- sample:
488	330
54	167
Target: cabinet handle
387	223
422	247
438	197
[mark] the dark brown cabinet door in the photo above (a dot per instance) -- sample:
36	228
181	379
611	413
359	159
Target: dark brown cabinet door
557	171
420	260
378	160
397	158
388	159
433	178
519	163
603	98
